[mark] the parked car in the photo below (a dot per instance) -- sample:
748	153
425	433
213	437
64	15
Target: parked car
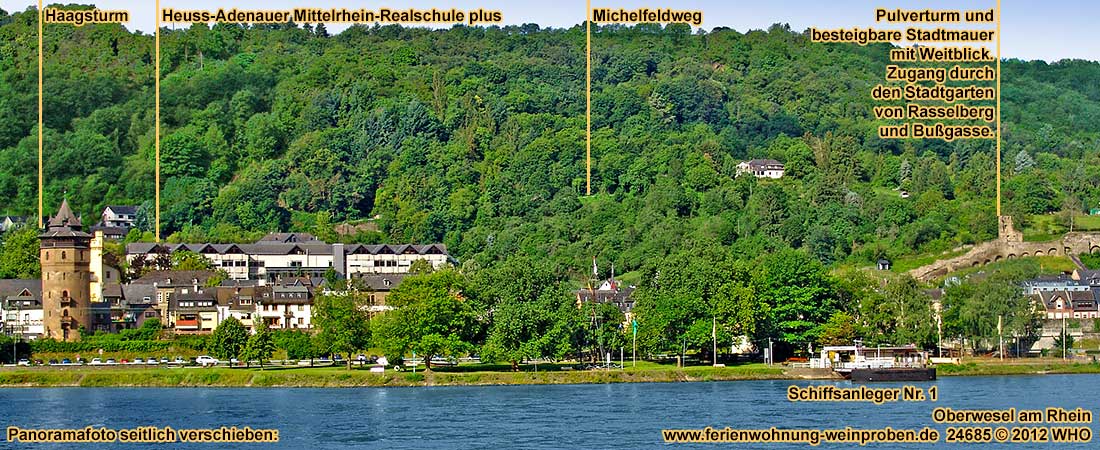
96	362
24	362
139	361
179	360
53	362
125	361
152	361
111	361
206	360
163	360
66	361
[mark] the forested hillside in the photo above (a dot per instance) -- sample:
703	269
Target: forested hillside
475	137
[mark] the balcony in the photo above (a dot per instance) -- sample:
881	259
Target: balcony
187	324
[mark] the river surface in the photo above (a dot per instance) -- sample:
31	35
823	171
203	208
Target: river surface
536	417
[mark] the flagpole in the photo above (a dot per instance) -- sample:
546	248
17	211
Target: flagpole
634	351
714	336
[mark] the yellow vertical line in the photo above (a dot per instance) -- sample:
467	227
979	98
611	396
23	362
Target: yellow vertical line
998	108
588	98
40	121
156	131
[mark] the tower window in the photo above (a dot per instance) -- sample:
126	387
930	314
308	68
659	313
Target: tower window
65	294
63	255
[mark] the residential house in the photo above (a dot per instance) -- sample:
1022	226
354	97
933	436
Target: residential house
166	283
193	311
1062	297
378	287
119	217
10	222
761	168
238	299
21	307
289	307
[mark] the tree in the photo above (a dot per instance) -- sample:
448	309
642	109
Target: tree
19	253
1062	345
229	339
971	310
188	260
431	317
839	330
800	293
298	344
260	346
1024	162
343	323
533	315
683	295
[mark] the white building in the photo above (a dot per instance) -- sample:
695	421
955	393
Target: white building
283	255
119	216
21	307
289	307
761	168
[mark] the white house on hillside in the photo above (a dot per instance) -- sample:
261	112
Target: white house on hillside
761	168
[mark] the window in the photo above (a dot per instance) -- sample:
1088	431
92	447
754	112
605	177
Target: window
65	294
301	321
63	255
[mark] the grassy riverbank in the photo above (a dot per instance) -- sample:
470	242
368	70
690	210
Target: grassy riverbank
1029	366
356	377
466	375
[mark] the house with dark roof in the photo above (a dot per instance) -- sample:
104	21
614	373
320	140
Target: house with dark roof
21	307
1066	297
118	216
240	299
10	222
378	287
192	311
761	168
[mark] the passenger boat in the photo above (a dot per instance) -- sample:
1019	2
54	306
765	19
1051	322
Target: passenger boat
868	364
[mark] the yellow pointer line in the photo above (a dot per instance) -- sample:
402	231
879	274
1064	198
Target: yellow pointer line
588	99
998	108
157	126
40	122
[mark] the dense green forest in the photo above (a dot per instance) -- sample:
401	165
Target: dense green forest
474	137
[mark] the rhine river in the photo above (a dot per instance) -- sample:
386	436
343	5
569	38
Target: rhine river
602	416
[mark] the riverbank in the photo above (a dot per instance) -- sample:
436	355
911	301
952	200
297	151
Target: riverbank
121	376
356	377
1029	366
